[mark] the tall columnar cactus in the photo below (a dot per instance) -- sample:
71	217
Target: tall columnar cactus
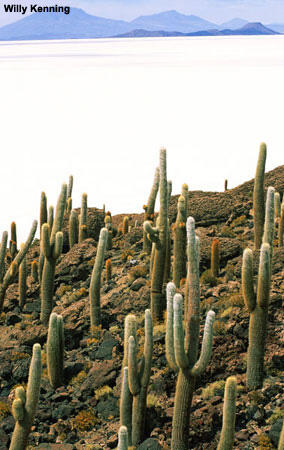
108	269
139	378
179	229
34	271
73	228
108	226
185	194
95	286
9	277
126	404
258	197
13	241
122	438
226	441
215	257
69	205
70	187
43	210
281	439
277	205
125	225
51	249
23	282
167	270
55	350
83	229
281	225
182	348
226	185
150	210
50	217
159	236
25	404
257	305
268	234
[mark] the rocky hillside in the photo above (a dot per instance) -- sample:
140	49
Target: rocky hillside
84	412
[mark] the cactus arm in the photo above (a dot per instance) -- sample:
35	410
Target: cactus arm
268	233
180	355
153	194
122	438
45	243
281	225
152	233
59	213
169	190
229	415
206	348
24	249
170	352
263	286
70	187
50	217
247	280
258	197
55	350
95	286
130	328
277	205
18	409
73	228
3	250
22	282
133	378
43	210
148	349
57	250
184	193
126	404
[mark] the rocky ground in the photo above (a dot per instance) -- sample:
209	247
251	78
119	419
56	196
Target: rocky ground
84	413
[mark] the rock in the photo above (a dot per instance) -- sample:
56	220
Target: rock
275	430
106	347
137	284
108	407
278	361
12	318
150	444
101	373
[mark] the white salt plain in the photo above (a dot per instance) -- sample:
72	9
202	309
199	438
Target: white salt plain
101	109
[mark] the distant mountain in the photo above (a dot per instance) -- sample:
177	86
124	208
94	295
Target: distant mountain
233	24
279	27
80	25
76	25
249	29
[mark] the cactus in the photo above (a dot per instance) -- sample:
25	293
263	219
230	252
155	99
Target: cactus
268	234
12	271
13	249
122	439
55	350
182	351
23	282
43	210
51	249
69	205
108	226
179	263
50	217
3	250
13	241
281	226
226	441
167	269
185	194
83	229
126	404
258	197
159	236
257	305
70	187
73	229
226	185
95	286
281	438
215	257
108	269
34	270
277	205
24	405
150	210
125	225
139	379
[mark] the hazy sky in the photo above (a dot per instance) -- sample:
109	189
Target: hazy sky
218	11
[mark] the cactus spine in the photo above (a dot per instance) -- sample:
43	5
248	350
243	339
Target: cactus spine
55	350
139	379
159	236
73	229
150	210
258	197
122	438
183	349
83	230
51	249
229	415
257	305
215	257
95	286
24	405
179	264
23	282
13	269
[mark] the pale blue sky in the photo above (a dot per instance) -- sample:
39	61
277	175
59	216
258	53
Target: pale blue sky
218	11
